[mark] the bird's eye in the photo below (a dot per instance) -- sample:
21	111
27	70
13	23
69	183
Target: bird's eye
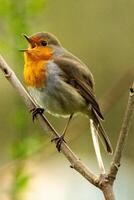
43	43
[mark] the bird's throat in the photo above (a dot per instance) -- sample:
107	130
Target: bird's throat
35	72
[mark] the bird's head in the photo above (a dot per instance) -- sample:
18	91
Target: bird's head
41	46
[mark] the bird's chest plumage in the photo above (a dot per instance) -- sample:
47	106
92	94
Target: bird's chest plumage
57	97
35	73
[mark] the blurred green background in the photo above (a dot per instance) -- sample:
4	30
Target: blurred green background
101	34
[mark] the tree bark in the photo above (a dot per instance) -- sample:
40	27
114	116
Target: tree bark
108	192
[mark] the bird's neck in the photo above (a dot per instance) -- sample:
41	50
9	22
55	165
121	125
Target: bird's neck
35	72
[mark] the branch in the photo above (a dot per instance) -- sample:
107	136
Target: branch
122	136
74	160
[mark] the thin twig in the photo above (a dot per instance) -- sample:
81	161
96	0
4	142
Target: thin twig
122	136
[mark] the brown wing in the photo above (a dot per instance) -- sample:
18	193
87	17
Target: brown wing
79	76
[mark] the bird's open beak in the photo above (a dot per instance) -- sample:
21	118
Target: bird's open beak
27	38
30	41
23	50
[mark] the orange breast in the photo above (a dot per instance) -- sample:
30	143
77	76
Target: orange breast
35	73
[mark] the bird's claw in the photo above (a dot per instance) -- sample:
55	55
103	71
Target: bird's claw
103	179
36	111
58	140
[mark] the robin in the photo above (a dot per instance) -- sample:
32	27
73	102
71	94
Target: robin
61	83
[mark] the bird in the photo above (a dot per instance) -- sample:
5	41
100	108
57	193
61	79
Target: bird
61	84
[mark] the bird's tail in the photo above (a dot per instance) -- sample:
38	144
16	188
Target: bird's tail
96	125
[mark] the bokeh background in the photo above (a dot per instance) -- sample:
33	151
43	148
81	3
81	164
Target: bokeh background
101	33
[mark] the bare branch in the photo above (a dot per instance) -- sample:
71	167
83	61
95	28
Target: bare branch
74	160
108	191
122	136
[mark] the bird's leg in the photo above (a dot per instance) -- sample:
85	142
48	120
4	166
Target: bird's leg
59	140
36	111
67	124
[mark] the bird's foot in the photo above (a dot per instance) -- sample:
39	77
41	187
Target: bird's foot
36	111
58	140
103	179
